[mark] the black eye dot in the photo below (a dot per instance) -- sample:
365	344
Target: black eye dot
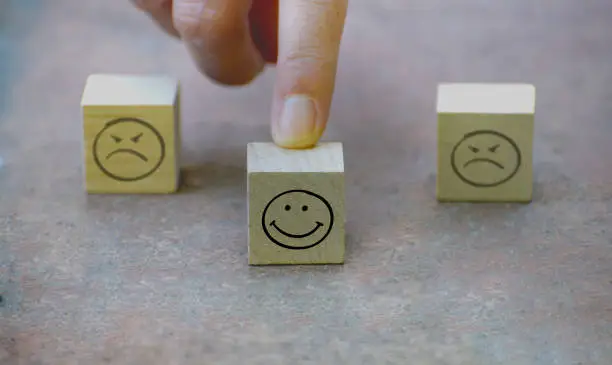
304	208
287	207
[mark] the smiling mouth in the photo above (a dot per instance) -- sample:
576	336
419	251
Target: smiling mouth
483	160
319	224
131	152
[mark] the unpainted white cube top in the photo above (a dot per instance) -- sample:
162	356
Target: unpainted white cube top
126	90
268	157
486	98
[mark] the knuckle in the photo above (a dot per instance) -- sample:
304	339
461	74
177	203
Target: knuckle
186	17
214	32
187	26
212	23
306	58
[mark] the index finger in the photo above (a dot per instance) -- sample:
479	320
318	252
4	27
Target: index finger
309	35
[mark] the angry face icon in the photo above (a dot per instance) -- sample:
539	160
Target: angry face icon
128	149
485	158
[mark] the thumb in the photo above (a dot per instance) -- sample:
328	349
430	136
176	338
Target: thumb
308	46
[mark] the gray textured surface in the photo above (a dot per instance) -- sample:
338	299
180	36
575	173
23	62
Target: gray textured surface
164	280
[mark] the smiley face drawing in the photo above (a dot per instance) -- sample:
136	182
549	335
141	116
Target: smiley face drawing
297	219
485	158
128	149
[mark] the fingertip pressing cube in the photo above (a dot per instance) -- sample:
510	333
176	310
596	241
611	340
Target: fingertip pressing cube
485	142
296	207
131	134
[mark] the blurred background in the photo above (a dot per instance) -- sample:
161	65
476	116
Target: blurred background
164	279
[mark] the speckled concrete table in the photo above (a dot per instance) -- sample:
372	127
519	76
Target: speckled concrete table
164	280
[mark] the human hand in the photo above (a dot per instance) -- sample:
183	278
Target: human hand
232	40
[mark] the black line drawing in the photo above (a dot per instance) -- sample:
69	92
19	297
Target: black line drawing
110	130
491	149
318	226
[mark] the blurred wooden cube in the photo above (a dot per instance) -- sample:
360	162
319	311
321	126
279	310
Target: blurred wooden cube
131	134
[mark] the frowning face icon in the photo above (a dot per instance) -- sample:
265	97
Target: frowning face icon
128	149
485	158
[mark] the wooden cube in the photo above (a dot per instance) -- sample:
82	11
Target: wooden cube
485	142
295	204
131	134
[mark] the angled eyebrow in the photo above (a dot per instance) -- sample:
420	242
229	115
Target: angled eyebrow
493	148
117	139
136	138
473	149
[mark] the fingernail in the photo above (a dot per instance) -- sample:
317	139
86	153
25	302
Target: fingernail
297	124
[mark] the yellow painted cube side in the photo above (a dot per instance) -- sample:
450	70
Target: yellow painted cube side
296	218
485	157
131	149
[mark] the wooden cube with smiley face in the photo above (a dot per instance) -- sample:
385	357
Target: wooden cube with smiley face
295	204
131	134
485	142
